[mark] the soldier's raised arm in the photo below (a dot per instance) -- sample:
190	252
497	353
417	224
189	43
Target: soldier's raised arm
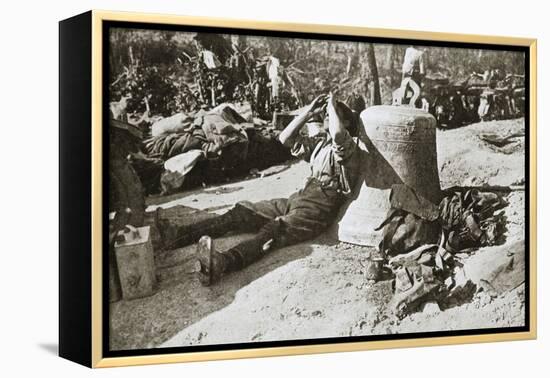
288	135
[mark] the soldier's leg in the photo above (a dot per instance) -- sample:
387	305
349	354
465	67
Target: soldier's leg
179	235
275	234
212	264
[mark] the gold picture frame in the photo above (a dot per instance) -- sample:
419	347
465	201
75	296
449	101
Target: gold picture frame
94	22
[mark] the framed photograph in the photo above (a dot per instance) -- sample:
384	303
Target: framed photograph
235	189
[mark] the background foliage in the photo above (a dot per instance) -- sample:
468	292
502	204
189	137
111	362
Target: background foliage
162	66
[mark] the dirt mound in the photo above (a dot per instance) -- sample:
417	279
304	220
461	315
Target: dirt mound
464	159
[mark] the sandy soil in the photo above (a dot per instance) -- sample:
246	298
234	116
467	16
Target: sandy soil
318	289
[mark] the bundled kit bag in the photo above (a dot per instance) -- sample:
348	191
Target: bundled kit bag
411	222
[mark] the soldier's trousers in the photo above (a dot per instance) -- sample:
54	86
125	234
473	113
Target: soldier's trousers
276	223
238	220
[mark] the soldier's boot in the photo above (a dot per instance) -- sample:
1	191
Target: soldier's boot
213	264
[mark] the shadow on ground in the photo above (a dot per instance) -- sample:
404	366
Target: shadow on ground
51	348
223	187
181	300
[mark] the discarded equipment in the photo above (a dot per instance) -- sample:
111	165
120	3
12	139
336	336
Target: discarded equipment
398	146
135	262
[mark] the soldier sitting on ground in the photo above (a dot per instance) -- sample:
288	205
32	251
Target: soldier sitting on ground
280	222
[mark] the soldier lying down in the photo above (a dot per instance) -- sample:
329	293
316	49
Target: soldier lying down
281	222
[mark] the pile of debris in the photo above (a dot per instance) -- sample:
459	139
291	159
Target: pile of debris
219	142
433	269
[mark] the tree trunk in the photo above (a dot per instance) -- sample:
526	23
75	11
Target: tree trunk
390	65
131	55
373	73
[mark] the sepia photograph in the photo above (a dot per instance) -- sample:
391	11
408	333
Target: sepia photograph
270	188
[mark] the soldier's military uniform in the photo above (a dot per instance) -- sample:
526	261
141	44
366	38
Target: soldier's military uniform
284	221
